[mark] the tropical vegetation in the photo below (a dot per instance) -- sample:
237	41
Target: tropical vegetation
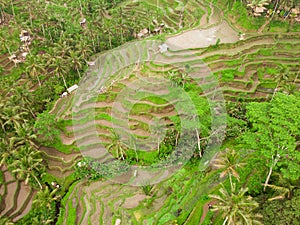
232	131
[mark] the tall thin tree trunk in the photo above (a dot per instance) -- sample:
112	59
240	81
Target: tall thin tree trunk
176	139
158	145
270	171
12	8
64	81
109	39
2	18
37	180
43	30
30	17
198	142
135	151
122	155
275	91
78	73
268	177
230	180
39	80
80	6
274	12
50	36
225	221
296	77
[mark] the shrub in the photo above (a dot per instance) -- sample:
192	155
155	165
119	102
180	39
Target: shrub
147	189
282	211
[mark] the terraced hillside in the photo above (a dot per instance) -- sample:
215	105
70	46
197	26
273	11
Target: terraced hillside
176	15
135	91
5	64
249	69
106	202
245	70
59	164
16	197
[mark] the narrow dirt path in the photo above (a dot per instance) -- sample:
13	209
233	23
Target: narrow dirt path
206	209
260	30
57	154
203	20
67	140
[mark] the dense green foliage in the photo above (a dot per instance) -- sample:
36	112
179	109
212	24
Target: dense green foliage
47	127
282	211
275	128
258	165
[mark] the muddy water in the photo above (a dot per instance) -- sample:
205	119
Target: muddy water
202	38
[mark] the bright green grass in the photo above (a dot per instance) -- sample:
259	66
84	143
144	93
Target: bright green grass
67	149
155	99
247	22
1	177
64	203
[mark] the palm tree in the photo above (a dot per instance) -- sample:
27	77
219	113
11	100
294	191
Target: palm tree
27	164
283	188
61	48
286	4
275	160
236	207
2	114
7	148
132	140
158	131
179	77
44	198
58	67
5	221
76	60
24	98
41	219
12	116
118	145
3	5
100	8
120	23
107	26
35	68
173	76
24	135
84	49
281	79
257	3
229	161
290	88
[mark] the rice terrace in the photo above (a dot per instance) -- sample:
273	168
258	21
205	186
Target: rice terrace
147	112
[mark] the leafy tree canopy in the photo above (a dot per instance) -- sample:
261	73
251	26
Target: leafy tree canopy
283	211
275	133
46	126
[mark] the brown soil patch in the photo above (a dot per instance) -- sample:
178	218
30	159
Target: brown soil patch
58	173
134	201
67	140
9	197
27	208
104	123
24	194
2	190
7	176
206	209
79	207
94	105
53	152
